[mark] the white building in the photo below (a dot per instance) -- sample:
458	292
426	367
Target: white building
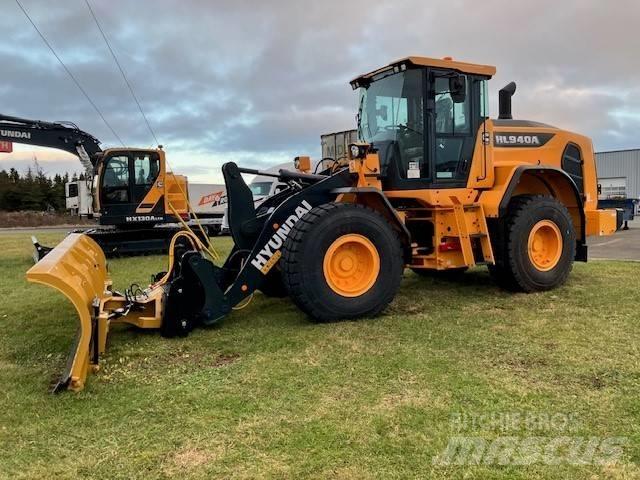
619	174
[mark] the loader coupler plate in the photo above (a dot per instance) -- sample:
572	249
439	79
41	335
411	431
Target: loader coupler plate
77	268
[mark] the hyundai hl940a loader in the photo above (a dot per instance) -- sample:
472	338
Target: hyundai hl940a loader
433	185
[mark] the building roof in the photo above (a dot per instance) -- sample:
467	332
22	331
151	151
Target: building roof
620	150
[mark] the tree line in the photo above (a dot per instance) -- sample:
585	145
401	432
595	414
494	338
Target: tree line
33	190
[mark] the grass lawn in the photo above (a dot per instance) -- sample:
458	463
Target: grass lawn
268	394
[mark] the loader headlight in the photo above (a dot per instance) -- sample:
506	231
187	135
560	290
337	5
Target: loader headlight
358	151
302	163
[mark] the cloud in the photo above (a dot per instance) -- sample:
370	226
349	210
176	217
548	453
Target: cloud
50	161
261	81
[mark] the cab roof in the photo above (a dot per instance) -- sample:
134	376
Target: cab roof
446	62
129	149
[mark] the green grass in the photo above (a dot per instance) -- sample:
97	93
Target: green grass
270	394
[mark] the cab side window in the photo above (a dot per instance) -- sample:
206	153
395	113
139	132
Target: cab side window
146	168
451	118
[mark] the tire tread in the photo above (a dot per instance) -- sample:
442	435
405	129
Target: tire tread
292	264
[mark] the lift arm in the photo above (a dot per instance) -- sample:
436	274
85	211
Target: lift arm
63	136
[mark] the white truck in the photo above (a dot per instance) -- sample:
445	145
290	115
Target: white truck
207	200
334	148
262	187
78	198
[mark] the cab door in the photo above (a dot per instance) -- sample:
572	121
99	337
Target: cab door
145	167
115	191
454	122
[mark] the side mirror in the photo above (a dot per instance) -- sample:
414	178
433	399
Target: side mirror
458	88
382	112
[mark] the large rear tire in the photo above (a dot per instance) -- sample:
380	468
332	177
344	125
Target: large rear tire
539	245
342	261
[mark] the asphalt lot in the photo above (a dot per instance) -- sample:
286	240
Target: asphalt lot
55	229
622	245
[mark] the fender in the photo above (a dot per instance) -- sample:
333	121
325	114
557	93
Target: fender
546	176
375	198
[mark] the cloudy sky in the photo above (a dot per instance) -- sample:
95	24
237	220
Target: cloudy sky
257	82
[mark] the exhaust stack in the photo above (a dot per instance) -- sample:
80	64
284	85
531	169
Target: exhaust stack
504	101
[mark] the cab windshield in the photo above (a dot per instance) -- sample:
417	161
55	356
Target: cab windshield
390	117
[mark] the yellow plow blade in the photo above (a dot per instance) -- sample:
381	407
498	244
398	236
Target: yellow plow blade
77	268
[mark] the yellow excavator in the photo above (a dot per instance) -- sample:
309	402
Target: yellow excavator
139	203
433	185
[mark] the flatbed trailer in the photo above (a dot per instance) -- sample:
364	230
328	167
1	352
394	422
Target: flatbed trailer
625	206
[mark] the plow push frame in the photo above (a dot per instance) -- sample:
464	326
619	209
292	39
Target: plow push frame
194	291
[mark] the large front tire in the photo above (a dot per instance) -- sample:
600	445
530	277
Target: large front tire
342	261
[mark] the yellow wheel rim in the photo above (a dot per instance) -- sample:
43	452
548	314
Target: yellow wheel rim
351	265
545	245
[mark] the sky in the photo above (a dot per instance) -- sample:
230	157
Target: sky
258	82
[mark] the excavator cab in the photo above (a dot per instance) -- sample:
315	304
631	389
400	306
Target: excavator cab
129	181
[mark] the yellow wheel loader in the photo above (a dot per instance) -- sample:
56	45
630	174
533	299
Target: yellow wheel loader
435	185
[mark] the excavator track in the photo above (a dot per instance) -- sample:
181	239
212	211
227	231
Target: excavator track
116	242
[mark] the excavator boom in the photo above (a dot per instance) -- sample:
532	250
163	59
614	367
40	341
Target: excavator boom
62	136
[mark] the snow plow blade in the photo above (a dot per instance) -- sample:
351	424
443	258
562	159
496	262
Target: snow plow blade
77	268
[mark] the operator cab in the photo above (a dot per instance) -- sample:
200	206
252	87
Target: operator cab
422	116
127	177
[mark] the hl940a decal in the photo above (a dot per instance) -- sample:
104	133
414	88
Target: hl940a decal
519	139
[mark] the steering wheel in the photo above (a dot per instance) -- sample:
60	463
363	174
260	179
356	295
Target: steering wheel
450	166
404	132
407	128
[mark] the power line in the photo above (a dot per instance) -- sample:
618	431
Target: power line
115	59
69	73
